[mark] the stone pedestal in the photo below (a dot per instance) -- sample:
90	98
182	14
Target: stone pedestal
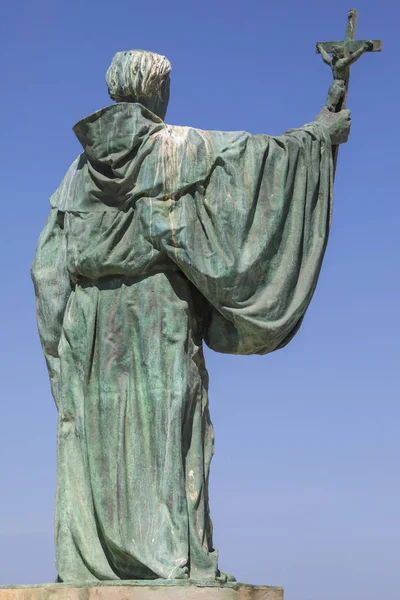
138	590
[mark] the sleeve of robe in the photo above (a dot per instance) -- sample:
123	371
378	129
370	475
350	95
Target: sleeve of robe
52	290
251	236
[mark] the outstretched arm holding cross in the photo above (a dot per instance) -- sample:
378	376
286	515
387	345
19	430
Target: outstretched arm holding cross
336	123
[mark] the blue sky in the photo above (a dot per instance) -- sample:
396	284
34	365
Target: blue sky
305	481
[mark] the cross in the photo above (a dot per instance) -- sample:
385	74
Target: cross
349	48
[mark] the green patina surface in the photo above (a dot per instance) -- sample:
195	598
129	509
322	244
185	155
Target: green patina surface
160	237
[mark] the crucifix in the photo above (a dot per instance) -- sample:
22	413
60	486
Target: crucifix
344	54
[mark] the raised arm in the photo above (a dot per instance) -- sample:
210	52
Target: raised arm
357	53
325	56
52	290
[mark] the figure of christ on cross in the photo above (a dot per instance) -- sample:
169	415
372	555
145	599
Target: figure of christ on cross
340	62
344	54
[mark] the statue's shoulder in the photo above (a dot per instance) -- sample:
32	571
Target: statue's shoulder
180	137
173	134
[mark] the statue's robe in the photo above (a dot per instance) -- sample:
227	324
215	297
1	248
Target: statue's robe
160	237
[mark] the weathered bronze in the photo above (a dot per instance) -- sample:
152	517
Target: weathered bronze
159	238
344	54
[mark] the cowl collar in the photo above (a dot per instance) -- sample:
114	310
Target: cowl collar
111	134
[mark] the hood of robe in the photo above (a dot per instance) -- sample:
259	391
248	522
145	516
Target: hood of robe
129	154
112	136
106	173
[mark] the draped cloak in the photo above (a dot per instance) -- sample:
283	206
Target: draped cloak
159	237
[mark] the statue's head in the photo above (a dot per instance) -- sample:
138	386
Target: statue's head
140	76
338	52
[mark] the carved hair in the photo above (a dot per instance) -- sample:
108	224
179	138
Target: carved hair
138	76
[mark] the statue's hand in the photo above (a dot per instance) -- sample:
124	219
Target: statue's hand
338	124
